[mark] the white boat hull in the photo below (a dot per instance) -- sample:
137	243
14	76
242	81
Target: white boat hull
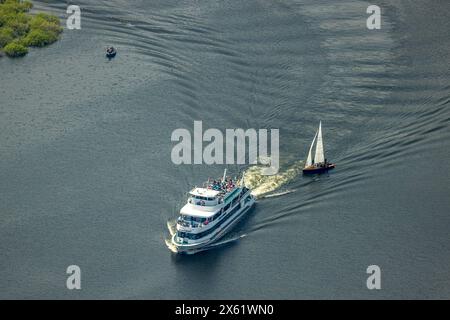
211	240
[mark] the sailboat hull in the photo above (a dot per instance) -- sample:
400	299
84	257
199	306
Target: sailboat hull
318	170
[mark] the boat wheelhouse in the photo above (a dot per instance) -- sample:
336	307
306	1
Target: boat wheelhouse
209	213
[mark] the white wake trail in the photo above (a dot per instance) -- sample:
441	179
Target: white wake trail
261	184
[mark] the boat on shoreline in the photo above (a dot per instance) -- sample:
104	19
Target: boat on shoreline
210	212
318	164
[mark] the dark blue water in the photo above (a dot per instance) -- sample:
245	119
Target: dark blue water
86	176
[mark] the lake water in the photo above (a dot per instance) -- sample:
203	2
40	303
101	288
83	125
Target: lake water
86	176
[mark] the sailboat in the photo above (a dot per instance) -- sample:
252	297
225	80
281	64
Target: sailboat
318	164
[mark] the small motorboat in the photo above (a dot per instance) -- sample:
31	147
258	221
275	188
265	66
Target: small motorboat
319	164
111	52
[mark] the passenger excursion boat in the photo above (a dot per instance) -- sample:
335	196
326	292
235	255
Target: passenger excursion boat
319	163
210	212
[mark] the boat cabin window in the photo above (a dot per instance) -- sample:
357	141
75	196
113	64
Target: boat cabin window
203	198
193	219
198	219
218	214
203	201
191	236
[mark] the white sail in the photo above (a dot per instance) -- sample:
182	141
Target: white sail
309	159
319	157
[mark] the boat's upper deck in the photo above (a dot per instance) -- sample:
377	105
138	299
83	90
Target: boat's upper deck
206	207
207	200
204	193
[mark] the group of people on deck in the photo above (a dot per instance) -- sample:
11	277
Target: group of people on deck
219	185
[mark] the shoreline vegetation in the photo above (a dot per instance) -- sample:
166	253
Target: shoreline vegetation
20	30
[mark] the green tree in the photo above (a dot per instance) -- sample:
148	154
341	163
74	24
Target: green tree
39	38
15	49
19	29
6	36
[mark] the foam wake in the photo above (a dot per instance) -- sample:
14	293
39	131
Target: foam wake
172	227
263	185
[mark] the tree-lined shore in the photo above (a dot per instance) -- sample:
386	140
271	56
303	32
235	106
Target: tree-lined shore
20	30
